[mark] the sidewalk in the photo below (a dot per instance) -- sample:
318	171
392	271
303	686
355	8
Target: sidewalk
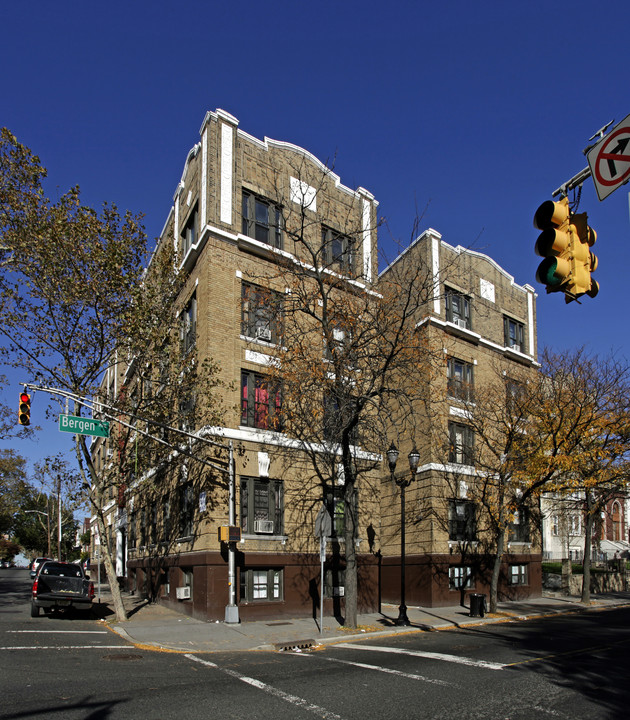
158	628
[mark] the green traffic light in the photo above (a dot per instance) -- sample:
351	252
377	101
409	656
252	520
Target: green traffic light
548	273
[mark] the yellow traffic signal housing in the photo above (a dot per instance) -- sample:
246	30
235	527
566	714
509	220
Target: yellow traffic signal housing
564	244
24	412
584	260
229	533
553	244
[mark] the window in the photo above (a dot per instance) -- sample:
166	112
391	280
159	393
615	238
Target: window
261	402
187	579
337	250
165	582
341	345
515	395
143	527
519	527
334	583
187	405
189	233
188	325
555	525
514	333
261	313
518	575
261	584
262	220
336	420
262	506
166	518
575	524
461	444
336	506
131	531
462	523
460	577
458	308
616	522
186	510
460	379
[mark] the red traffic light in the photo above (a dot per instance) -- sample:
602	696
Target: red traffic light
24	413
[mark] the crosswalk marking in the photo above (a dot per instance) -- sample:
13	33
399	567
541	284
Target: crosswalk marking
287	697
380	668
430	655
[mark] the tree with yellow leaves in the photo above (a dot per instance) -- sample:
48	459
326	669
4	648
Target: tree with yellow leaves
578	438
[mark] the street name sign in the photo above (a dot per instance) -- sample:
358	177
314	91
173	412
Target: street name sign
83	426
609	160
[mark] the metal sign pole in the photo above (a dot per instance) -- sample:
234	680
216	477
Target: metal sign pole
322	560
323	529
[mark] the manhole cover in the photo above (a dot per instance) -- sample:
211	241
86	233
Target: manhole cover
122	656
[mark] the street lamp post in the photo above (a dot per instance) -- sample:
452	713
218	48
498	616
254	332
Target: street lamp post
403	483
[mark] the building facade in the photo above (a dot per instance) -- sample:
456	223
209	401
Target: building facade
480	326
244	210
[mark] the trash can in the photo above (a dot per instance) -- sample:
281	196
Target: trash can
477	605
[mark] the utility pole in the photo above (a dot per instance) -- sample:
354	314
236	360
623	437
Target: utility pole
59	517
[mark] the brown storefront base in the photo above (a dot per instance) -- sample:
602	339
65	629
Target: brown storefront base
209	595
427	578
427	583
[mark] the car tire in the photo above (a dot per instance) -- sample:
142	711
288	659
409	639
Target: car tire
34	610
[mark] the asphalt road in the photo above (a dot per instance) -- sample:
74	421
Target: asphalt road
71	667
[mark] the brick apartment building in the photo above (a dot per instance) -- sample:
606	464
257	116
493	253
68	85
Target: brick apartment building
483	324
231	224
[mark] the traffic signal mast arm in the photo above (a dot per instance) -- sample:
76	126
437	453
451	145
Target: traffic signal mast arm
102	409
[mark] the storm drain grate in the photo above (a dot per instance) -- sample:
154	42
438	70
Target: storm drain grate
293	646
275	624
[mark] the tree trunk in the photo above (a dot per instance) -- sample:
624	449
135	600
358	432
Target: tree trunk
586	563
96	500
351	582
110	570
496	570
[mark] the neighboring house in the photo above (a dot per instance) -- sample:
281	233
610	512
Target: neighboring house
228	226
563	528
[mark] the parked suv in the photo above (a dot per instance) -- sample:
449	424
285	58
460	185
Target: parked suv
34	567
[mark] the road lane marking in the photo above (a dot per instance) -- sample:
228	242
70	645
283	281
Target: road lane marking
292	699
379	668
64	647
430	655
76	632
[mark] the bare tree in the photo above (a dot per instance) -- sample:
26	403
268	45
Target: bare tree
346	342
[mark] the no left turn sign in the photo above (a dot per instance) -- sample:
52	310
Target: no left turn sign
609	160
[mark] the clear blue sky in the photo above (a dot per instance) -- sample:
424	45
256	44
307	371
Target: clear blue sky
475	110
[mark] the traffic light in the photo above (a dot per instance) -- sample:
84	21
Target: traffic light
585	261
24	413
564	244
553	244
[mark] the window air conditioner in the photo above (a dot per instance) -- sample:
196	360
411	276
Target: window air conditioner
263	526
263	333
183	593
460	322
